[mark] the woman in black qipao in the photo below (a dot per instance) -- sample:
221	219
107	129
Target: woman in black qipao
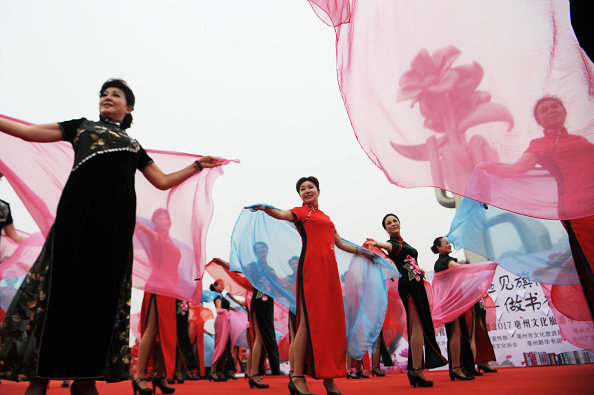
411	289
70	318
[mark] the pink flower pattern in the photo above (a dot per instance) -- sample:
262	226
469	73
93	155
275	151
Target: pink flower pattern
414	271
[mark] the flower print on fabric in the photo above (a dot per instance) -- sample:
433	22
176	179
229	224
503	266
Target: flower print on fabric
414	272
182	307
93	138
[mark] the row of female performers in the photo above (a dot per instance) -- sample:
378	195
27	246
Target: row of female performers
319	342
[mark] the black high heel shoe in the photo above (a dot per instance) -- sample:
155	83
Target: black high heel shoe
257	385
454	375
362	374
293	388
165	389
354	376
212	377
417	381
175	379
328	392
376	372
486	369
135	387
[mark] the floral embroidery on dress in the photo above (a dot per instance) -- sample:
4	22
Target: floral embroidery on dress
93	138
182	307
414	272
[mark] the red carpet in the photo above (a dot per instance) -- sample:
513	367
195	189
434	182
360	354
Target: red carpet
567	379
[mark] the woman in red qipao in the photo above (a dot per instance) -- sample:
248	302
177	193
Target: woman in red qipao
568	158
319	347
158	314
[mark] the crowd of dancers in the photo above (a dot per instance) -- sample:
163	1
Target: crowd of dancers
171	347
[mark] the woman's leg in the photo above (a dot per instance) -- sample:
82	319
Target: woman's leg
375	358
455	345
472	331
256	353
291	344
37	387
147	344
299	352
415	338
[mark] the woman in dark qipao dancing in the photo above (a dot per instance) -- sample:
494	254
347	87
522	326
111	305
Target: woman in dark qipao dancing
79	288
460	354
412	291
319	346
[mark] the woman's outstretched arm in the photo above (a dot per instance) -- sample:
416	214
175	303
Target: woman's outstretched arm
37	133
163	181
285	215
343	245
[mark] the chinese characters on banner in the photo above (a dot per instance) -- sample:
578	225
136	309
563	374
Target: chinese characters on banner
526	332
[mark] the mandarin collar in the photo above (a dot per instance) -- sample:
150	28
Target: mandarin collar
555	132
111	122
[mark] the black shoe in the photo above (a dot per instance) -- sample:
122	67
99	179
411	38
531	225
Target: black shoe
136	387
454	375
362	375
377	372
486	369
328	392
257	385
165	389
354	376
212	377
417	381
293	388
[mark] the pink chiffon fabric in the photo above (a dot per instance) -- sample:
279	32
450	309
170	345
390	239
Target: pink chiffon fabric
437	88
238	323
17	258
222	329
38	171
457	289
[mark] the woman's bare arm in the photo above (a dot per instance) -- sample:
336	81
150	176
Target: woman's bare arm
343	245
163	181
44	133
285	215
384	246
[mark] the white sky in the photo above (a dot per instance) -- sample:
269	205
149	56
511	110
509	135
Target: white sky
252	80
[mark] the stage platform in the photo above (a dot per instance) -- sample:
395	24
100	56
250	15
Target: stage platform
564	380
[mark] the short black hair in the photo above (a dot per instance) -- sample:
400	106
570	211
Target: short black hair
120	84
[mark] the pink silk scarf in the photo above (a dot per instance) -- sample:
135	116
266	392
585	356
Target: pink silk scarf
437	88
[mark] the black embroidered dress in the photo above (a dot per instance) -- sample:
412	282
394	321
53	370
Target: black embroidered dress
70	318
411	289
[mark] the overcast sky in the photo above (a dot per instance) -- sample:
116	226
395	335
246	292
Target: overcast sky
251	80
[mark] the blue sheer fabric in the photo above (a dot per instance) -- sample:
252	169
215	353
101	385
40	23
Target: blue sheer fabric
208	296
363	280
532	248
